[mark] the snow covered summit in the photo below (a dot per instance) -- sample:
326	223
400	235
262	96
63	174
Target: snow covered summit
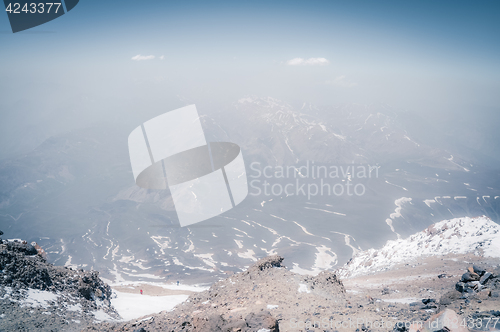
479	236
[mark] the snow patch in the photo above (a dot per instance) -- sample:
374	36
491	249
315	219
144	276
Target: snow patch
131	306
303	288
38	298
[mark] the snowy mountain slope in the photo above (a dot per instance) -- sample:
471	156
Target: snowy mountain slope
351	133
479	235
75	196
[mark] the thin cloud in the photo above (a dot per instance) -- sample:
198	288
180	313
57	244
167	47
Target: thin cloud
341	81
308	62
162	57
139	57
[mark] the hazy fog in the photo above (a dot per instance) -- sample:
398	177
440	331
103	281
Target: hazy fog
124	64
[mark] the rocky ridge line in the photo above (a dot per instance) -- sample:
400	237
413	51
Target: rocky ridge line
479	235
36	295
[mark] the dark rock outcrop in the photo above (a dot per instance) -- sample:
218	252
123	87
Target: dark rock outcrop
267	263
69	298
23	267
477	280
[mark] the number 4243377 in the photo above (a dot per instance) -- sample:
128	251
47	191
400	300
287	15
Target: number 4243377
40	7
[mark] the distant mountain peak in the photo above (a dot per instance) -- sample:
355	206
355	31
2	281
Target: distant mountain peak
479	236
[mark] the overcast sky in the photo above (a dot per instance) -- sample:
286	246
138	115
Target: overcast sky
119	58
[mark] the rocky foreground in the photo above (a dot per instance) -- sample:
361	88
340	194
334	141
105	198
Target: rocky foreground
449	271
267	297
445	278
38	296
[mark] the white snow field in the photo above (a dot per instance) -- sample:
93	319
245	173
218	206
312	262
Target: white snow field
131	306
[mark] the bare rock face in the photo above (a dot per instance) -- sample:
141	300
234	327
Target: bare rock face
260	299
267	263
475	298
477	280
24	267
327	282
263	321
39	250
38	296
